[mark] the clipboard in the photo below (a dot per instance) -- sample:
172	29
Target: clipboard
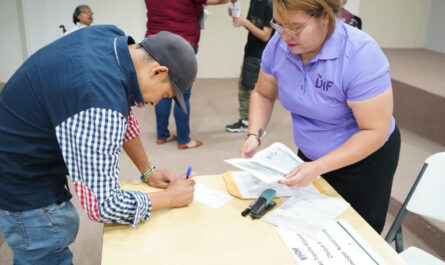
232	188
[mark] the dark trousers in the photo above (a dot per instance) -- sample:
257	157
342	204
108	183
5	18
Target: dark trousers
366	185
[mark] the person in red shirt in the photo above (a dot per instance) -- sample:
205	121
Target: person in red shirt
182	18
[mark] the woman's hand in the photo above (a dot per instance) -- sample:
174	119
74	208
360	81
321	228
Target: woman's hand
302	175
250	147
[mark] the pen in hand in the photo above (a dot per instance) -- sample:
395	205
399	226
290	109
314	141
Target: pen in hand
189	171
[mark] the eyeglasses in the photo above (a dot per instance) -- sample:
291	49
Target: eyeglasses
86	12
294	33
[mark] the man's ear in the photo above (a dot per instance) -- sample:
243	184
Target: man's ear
159	71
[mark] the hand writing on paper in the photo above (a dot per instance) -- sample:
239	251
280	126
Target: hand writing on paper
181	192
302	175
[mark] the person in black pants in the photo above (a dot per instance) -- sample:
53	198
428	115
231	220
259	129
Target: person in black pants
257	23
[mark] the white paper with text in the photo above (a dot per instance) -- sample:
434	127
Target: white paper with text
338	243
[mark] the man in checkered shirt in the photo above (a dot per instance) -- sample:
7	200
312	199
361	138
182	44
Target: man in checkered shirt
67	111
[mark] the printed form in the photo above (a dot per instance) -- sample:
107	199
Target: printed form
251	187
269	164
338	243
307	212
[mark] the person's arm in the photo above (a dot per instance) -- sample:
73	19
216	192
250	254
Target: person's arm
262	34
90	143
135	150
217	2
373	117
261	105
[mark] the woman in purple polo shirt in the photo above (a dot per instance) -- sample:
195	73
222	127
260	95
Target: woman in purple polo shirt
334	79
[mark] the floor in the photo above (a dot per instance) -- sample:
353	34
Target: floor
214	105
419	68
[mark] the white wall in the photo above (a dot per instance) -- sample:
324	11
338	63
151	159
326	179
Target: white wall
221	47
129	15
42	19
435	28
11	42
353	6
395	23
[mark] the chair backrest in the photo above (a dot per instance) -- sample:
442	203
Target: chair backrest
429	196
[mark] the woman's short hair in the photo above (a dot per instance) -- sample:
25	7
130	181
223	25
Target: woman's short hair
77	12
314	8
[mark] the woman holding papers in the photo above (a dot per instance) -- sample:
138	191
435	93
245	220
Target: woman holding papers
334	79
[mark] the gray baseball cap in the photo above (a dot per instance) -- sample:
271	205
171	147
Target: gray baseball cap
177	55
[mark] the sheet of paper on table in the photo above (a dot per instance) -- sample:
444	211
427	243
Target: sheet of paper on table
337	243
210	197
251	187
306	212
269	164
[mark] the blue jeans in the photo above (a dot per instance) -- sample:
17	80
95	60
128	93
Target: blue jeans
41	236
163	109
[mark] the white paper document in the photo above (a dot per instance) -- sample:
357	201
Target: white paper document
307	212
251	187
337	243
210	197
269	164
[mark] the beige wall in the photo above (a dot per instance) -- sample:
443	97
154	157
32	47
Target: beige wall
12	44
395	23
435	30
353	6
221	47
129	15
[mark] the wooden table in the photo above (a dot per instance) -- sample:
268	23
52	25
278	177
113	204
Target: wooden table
199	234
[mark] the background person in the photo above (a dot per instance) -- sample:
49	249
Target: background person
82	17
182	18
257	23
334	80
64	111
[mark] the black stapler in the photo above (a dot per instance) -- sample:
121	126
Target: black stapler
262	205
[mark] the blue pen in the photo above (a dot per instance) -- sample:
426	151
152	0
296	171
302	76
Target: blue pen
189	171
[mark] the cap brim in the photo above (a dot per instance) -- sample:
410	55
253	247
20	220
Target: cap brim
179	97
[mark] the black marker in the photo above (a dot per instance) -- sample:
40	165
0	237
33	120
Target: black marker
248	209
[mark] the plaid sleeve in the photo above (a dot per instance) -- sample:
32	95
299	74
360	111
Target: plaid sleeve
133	128
91	143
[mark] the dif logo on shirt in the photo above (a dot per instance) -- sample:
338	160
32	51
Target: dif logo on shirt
323	83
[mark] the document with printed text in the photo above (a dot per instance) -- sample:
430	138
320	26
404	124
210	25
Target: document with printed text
269	164
307	212
251	187
337	243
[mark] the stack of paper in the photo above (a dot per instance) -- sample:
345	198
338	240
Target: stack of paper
307	212
306	221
